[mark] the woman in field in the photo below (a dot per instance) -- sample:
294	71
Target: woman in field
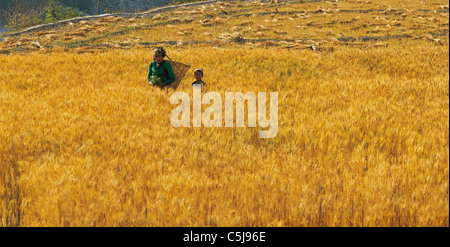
160	72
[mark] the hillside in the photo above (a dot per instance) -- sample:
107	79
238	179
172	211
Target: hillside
324	25
90	6
362	109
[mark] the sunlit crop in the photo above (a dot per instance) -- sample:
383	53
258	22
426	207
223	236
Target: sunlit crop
363	124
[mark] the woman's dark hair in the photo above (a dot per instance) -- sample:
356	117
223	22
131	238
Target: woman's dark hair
161	50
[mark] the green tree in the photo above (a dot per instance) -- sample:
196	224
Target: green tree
56	12
22	13
25	13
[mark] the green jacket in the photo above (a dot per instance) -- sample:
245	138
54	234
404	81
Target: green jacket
163	72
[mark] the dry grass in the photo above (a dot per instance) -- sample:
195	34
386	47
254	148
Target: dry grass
284	21
363	133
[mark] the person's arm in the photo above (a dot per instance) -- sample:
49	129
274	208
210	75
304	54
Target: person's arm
149	73
170	74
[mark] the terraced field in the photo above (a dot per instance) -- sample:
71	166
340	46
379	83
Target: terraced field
322	24
363	109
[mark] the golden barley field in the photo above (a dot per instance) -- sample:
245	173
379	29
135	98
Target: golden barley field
363	118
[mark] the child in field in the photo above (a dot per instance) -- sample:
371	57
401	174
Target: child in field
198	74
160	72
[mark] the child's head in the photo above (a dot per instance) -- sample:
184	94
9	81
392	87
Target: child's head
198	74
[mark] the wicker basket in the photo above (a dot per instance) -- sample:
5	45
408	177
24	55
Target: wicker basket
180	70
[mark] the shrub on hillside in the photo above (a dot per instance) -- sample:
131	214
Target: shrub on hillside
25	13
